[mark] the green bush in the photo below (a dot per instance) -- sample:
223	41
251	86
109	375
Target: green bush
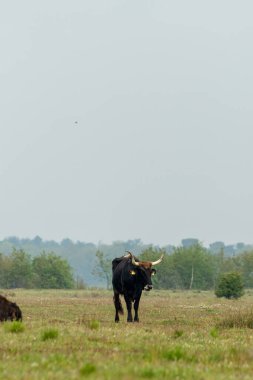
20	270
52	271
87	369
174	354
178	333
14	327
148	373
94	325
49	334
230	285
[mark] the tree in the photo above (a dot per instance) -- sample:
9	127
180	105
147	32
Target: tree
218	263
103	268
217	247
20	270
189	267
195	266
230	285
52	271
37	241
5	265
244	263
186	243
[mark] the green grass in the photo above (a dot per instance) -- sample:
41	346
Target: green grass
178	333
72	335
14	327
49	334
87	369
174	354
214	332
94	325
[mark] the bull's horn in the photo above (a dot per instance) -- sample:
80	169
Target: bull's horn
158	261
129	254
133	260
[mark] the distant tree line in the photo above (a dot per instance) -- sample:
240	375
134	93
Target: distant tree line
47	270
80	255
87	269
197	268
188	267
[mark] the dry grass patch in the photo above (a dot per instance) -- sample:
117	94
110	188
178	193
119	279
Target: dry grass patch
238	319
177	338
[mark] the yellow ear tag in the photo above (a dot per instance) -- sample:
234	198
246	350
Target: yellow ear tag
132	272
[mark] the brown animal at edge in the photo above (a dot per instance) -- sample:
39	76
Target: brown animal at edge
9	311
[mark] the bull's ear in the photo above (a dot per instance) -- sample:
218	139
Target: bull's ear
153	272
132	272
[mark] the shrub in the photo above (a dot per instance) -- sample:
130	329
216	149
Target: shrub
148	373
49	334
52	271
230	285
214	332
178	333
14	327
94	325
87	369
174	354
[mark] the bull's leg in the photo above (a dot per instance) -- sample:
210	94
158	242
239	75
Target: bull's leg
136	307
129	308
118	306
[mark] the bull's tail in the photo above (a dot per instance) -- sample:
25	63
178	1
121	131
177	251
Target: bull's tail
118	304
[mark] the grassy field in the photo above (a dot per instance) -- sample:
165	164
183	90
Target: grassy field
181	335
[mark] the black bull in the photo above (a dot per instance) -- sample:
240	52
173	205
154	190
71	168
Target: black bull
129	277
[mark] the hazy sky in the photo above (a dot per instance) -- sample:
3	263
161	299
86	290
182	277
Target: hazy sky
163	95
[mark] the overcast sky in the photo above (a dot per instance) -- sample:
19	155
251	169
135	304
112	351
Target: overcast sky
162	93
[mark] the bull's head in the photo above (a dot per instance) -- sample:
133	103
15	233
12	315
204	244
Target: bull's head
14	312
144	269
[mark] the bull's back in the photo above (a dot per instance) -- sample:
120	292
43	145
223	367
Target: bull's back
118	267
116	262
